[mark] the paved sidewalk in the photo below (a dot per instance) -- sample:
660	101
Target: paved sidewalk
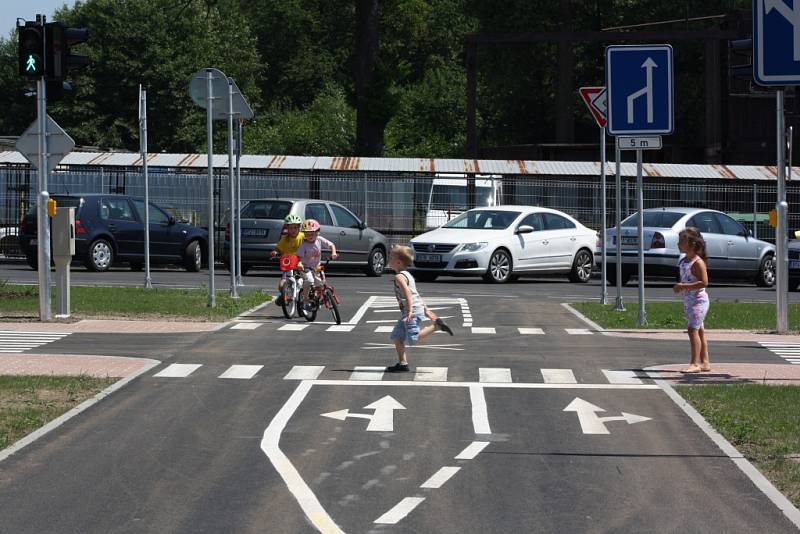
70	364
711	335
101	326
732	373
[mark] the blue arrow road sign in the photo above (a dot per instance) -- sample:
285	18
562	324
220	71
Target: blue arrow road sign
640	94
776	42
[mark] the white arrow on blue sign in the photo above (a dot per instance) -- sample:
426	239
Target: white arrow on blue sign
640	89
776	42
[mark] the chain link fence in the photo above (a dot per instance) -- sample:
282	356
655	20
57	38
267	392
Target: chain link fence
398	204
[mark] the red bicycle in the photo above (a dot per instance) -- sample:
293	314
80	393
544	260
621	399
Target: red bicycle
323	295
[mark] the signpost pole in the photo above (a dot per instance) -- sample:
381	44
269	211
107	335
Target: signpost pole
148	283
232	244
604	282
42	219
642	318
618	305
212	298
782	260
239	204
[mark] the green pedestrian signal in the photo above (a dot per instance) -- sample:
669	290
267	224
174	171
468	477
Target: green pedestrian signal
31	64
31	50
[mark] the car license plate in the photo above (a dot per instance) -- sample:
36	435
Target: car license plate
429	258
794	264
254	232
34	242
630	240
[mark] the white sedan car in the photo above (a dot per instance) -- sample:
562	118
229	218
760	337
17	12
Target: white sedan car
500	243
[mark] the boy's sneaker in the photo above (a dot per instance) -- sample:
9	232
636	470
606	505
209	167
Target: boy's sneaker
397	368
443	326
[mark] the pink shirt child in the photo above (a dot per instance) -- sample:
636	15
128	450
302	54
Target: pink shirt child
310	253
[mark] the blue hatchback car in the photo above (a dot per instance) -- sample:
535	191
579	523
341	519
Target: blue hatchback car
110	229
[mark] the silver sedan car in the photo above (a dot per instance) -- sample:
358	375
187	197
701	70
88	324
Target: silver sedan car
732	251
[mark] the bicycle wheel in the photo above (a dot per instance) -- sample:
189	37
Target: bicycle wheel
310	315
288	299
330	302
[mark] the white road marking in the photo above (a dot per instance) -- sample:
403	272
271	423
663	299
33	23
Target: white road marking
367	373
340	328
447	346
578	331
494	374
384	329
362	310
431	374
591	423
304	372
381	420
242	372
558	376
440	477
621	377
295	327
480	416
270	444
531	331
499	385
382	321
483	330
14	341
472	450
178	370
400	510
246	326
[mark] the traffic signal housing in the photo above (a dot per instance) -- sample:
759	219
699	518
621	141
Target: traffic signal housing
31	50
743	69
60	40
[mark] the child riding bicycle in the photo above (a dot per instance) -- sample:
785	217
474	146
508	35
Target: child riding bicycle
310	254
289	243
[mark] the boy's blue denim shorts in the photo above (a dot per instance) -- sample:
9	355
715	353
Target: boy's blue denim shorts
407	332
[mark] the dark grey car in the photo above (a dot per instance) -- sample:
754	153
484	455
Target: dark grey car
262	225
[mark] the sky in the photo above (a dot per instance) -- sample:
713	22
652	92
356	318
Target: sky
27	9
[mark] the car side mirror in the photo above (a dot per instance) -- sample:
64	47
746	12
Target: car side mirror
525	229
362	225
749	232
171	220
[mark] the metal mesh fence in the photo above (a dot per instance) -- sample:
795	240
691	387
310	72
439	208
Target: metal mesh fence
400	205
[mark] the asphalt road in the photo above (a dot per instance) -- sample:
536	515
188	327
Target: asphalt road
475	439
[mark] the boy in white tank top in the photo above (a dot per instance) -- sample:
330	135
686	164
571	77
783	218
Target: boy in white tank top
412	309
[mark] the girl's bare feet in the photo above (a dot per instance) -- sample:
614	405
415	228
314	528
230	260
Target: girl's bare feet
693	368
705	368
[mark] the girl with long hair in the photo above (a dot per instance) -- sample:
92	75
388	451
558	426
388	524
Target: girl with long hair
694	280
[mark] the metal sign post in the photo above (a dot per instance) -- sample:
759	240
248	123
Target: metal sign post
618	304
238	226
42	220
781	231
212	297
233	239
143	149
642	317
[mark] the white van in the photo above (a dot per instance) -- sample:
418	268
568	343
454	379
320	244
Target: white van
448	196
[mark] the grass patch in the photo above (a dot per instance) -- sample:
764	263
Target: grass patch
134	302
761	422
727	315
29	402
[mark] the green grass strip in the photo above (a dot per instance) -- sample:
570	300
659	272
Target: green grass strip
761	421
134	302
30	402
724	315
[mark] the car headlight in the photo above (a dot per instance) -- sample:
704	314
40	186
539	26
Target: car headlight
473	247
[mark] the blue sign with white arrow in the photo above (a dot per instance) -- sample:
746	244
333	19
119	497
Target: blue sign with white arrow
640	89
776	42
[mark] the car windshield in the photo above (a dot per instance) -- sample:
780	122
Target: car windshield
483	220
654	219
454	197
266	209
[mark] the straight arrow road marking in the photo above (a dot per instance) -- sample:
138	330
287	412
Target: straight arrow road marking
381	420
591	423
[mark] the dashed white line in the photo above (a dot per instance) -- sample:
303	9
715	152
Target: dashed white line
440	477
399	511
472	450
480	415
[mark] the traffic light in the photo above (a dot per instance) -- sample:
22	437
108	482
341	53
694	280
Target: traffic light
60	40
773	218
743	69
31	50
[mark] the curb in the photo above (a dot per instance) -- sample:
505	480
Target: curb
582	317
755	476
63	418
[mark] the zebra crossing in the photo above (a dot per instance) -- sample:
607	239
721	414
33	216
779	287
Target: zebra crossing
15	341
372	373
788	351
385	329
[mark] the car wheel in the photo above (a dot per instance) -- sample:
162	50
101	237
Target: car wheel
136	266
100	256
611	275
794	284
500	267
766	272
425	277
244	268
193	257
581	267
33	262
376	262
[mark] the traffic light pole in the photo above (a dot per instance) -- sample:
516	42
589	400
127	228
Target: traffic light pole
232	242
212	295
42	219
781	245
603	236
618	304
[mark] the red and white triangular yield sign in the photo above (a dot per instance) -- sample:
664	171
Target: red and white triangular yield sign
595	99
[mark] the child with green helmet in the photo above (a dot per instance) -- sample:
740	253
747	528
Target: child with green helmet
290	242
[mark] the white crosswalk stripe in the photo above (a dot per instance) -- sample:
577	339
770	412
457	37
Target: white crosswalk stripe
245	326
621	376
430	374
13	341
304	372
578	331
483	330
493	374
367	373
294	327
178	370
242	372
558	376
788	351
531	331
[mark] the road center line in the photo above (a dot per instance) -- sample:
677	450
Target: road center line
399	511
480	415
472	450
440	477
